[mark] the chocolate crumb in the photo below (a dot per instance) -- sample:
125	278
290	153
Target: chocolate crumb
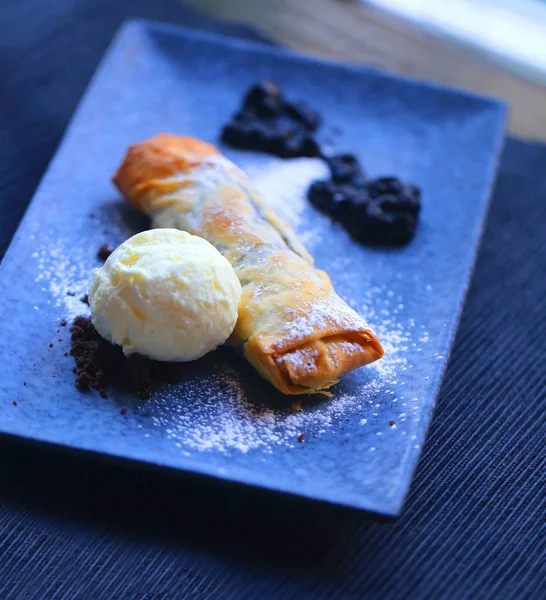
63	323
51	345
24	383
74	370
83	380
104	251
85	299
296	406
301	437
70	293
392	422
66	353
103	394
60	339
123	411
100	364
54	374
14	403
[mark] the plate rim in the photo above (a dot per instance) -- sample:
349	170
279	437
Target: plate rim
391	505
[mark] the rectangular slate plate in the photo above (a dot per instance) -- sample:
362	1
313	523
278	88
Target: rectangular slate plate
219	418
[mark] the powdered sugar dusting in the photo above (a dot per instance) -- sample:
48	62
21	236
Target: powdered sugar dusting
225	418
64	268
318	314
217	412
63	274
227	421
284	183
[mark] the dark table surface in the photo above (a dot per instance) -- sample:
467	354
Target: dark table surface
474	524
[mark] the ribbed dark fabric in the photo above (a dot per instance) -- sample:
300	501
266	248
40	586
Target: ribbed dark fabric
474	524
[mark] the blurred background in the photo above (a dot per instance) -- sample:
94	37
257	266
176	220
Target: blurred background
494	47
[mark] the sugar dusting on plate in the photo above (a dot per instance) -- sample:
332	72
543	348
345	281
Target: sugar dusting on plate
284	183
64	269
223	418
63	274
215	413
228	421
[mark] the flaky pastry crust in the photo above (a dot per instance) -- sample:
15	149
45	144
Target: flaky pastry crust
293	327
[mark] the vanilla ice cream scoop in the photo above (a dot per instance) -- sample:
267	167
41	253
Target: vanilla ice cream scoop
165	294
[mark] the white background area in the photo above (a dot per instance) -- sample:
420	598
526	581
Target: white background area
513	30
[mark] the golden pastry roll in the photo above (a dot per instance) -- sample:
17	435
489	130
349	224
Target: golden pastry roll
293	327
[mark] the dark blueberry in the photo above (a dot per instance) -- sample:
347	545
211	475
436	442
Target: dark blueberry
280	132
412	195
299	145
391	204
236	134
345	168
311	147
245	116
293	140
405	201
265	98
302	113
286	123
394	230
360	201
263	136
268	106
413	192
275	140
359	182
385	220
320	194
346	200
337	201
355	207
251	135
384	185
290	147
278	147
408	197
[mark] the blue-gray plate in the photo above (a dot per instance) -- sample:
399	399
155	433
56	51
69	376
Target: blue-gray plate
219	418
